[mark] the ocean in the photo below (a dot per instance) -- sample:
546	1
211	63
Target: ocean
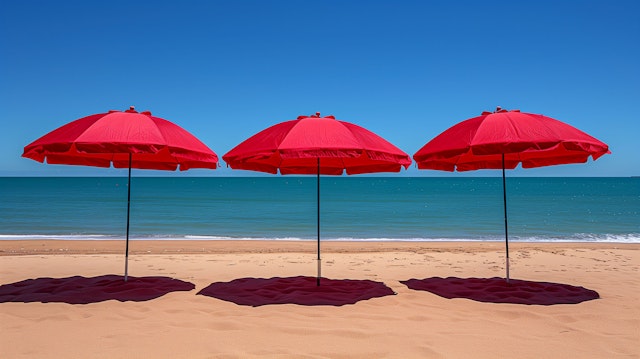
351	207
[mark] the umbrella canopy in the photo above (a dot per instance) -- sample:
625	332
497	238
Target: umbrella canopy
126	139
317	145
522	138
293	147
502	140
106	139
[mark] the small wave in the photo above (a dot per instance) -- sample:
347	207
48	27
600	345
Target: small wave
57	236
583	237
219	238
578	238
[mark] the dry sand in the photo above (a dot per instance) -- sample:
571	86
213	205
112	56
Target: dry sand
410	324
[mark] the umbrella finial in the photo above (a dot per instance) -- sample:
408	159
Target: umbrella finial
318	114
499	109
132	109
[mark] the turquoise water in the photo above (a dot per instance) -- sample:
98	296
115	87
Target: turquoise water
356	208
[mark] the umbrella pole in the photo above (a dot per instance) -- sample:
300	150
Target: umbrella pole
506	226
126	254
318	224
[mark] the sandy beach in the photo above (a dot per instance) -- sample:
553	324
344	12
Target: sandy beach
408	324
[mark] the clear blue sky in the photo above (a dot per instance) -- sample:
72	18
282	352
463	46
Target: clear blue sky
406	70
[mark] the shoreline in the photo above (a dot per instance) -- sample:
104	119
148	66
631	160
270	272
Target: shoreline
145	247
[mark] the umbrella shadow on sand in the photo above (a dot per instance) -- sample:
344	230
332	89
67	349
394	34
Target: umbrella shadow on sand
299	290
497	290
82	290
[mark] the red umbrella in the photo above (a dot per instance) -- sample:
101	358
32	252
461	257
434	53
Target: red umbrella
317	145
126	139
502	140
